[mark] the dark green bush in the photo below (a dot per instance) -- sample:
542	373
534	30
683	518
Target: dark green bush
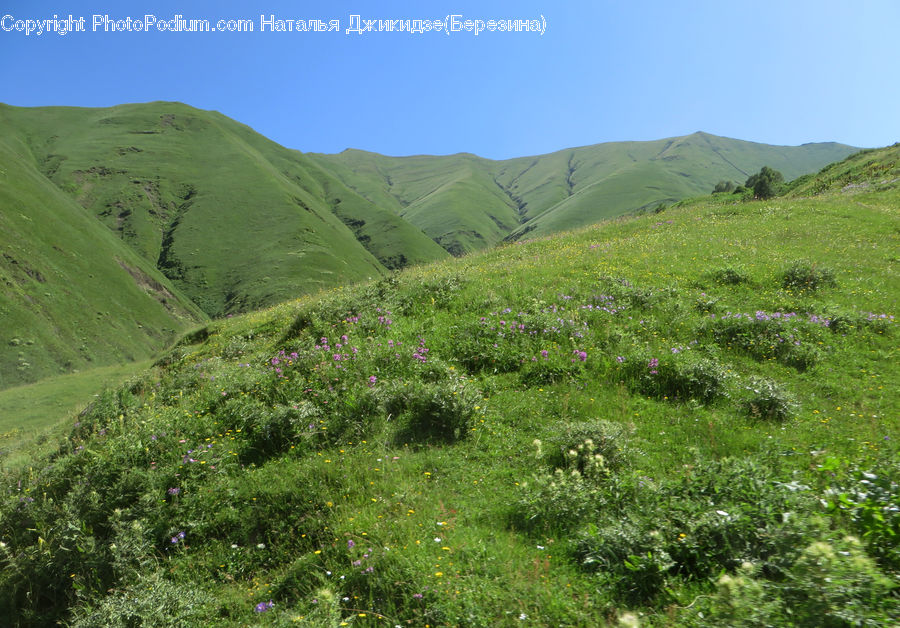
431	412
803	275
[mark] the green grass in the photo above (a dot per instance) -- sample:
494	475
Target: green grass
28	412
74	296
483	448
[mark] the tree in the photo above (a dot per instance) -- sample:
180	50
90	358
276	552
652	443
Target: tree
765	183
725	186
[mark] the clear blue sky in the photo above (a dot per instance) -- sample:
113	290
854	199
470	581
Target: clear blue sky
779	72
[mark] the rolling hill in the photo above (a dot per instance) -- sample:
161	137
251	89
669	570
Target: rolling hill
158	215
468	203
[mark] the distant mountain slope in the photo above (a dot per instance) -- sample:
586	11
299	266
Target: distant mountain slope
73	295
562	190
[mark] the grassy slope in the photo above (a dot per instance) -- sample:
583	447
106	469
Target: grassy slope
453	199
235	231
864	171
74	295
420	497
30	413
258	223
612	179
468	203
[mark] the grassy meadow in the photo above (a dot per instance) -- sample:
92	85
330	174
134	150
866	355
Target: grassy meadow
684	418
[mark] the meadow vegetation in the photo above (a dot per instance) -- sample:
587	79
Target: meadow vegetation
683	418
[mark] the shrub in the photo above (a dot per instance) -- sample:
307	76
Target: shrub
151	601
432	412
829	583
634	559
768	401
784	337
805	276
607	438
677	377
871	501
730	276
559	500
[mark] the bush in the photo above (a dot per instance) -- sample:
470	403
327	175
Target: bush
151	601
432	412
766	183
829	583
786	338
805	276
634	559
607	438
562	499
730	276
768	401
678	377
871	501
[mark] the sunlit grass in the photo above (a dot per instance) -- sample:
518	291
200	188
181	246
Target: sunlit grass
423	450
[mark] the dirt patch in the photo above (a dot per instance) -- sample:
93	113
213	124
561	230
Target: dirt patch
151	286
18	268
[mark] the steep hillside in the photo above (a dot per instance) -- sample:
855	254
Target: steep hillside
677	419
233	219
73	295
867	170
214	213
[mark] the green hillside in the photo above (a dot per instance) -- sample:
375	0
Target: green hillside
467	203
864	171
678	419
196	195
220	220
74	296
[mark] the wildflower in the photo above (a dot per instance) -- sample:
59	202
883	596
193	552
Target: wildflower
620	358
350	544
654	362
174	490
262	607
372	380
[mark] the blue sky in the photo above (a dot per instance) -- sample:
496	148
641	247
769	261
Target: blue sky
779	72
